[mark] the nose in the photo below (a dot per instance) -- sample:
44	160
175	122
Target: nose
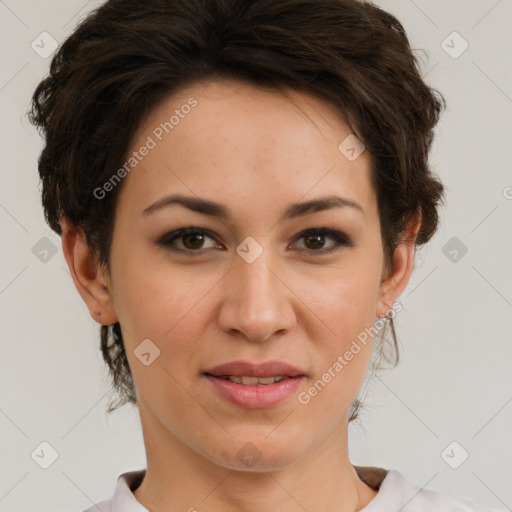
257	302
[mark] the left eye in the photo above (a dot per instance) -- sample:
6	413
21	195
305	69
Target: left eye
318	237
192	239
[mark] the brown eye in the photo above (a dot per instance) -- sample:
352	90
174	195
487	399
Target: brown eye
192	240
315	239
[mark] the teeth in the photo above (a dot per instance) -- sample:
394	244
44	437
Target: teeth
251	381
248	381
269	380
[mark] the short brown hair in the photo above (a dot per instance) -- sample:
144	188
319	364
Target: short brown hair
127	56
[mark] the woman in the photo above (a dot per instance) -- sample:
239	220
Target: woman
240	187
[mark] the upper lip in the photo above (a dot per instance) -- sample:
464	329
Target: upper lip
248	369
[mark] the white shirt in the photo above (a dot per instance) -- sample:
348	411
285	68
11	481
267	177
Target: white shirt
395	494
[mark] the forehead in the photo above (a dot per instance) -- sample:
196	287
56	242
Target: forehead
236	143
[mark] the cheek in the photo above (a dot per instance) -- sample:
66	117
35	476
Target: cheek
346	354
344	300
157	299
170	307
343	354
345	307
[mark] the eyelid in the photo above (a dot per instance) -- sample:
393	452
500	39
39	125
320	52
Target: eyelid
181	232
340	238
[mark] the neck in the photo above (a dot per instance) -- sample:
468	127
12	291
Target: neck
179	478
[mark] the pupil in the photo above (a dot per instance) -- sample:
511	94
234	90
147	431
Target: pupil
319	241
196	237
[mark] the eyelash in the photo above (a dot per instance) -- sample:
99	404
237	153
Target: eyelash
340	239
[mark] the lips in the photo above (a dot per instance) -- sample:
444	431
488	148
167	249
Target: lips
249	385
272	368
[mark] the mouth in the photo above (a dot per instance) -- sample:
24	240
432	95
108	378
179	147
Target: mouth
245	369
255	386
246	380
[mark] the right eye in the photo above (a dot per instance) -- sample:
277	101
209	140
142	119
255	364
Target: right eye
191	240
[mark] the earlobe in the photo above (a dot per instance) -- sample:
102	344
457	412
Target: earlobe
89	278
403	262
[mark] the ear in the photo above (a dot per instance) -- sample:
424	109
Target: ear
91	280
394	284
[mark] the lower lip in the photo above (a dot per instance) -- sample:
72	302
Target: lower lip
258	396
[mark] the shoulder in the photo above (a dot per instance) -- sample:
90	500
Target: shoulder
103	506
418	499
123	499
395	492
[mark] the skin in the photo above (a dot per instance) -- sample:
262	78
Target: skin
257	152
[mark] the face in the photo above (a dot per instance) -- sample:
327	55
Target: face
263	282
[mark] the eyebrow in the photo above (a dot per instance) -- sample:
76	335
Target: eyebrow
221	211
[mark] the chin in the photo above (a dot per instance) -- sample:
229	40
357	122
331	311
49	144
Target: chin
261	451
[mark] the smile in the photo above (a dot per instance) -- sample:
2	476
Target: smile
255	392
251	381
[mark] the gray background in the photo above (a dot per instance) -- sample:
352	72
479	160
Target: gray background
454	380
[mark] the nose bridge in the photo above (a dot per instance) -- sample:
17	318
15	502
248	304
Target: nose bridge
256	302
254	262
257	277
